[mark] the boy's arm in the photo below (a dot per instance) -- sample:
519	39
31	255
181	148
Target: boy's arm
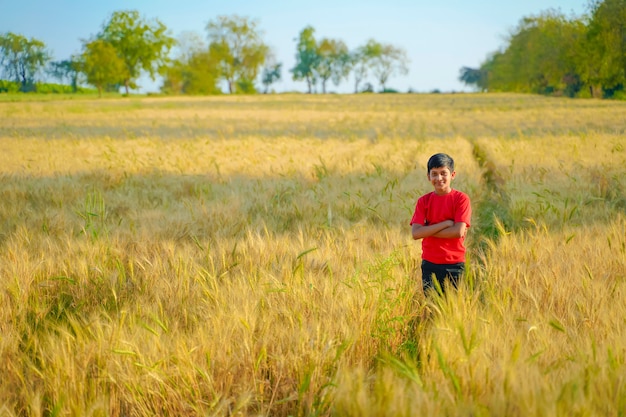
457	230
419	231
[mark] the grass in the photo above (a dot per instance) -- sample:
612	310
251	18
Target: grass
252	256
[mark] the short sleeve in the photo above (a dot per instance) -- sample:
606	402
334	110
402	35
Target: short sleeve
419	215
463	212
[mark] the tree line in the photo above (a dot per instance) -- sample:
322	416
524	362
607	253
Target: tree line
550	53
232	57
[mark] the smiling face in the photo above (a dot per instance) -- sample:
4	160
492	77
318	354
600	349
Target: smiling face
441	179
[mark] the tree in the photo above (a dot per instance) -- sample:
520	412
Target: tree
67	70
102	66
552	54
174	78
542	56
333	61
199	75
307	58
475	77
270	74
237	45
194	70
387	60
605	64
361	61
21	59
188	44
541	47
142	45
557	53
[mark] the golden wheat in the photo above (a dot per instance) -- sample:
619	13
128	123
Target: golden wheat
252	256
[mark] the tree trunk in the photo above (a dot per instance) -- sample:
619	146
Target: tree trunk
126	85
596	91
22	76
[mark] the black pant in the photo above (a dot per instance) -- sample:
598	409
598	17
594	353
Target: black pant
442	272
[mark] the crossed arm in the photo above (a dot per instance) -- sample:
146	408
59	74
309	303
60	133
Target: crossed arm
446	229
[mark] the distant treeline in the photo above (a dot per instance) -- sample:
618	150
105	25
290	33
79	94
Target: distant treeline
234	59
553	54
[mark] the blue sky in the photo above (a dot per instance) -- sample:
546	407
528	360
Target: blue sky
439	36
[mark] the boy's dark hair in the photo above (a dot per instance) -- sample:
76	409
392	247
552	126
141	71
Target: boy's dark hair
440	160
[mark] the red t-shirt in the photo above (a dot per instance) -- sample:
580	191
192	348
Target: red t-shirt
432	208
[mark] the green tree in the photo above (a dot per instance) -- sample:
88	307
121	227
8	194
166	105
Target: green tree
550	51
476	77
201	74
589	64
560	52
307	58
173	78
387	60
67	71
237	44
102	66
270	74
604	68
333	61
512	71
22	59
142	45
542	55
194	71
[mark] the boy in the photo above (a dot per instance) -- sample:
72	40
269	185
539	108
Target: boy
441	219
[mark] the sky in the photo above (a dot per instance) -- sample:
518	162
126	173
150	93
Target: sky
439	37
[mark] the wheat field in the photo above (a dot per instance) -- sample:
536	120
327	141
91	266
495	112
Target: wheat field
252	256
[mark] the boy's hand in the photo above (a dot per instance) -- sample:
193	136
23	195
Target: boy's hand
453	231
418	231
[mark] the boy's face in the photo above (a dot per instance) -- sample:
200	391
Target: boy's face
441	179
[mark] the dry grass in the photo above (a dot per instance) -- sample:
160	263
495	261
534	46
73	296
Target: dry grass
252	256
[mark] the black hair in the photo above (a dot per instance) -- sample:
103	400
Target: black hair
440	160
